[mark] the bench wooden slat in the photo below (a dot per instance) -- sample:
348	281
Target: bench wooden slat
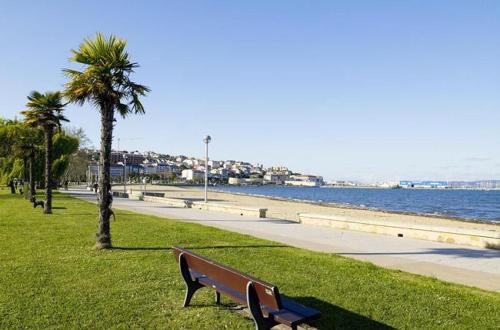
231	277
236	296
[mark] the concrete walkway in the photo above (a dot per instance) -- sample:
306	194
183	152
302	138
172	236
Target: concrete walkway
449	262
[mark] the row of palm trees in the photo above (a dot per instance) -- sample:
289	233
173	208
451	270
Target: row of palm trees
22	142
103	81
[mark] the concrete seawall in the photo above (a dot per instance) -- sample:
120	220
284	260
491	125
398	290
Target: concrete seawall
168	201
472	237
234	209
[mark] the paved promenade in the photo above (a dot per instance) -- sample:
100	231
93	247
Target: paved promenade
449	262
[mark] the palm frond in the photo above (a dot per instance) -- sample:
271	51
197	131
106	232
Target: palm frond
44	110
104	79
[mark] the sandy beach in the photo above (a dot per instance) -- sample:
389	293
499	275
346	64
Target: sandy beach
285	209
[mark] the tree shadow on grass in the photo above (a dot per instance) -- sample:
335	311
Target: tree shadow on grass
141	248
335	317
156	248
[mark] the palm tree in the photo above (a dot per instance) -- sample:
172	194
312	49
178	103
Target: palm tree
27	143
105	83
45	111
25	148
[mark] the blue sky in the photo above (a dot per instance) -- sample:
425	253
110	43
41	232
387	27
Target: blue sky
366	90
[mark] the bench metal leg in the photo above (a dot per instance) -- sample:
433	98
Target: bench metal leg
217	297
191	286
261	322
189	294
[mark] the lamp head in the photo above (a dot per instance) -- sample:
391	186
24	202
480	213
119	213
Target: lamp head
207	139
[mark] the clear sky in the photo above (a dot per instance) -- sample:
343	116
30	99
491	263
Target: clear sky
366	90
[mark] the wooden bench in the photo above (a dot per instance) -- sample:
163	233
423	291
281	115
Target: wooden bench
267	307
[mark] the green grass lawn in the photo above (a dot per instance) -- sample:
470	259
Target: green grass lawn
50	276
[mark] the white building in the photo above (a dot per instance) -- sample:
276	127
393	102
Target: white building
276	178
305	181
279	169
191	175
189	162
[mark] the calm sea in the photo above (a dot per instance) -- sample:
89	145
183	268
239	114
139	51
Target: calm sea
466	204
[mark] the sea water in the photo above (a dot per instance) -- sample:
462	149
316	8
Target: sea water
465	204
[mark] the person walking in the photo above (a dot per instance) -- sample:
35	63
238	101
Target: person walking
12	186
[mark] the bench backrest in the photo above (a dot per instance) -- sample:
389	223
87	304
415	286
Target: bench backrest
268	294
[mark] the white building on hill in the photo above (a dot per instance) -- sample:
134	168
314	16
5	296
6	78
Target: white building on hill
191	175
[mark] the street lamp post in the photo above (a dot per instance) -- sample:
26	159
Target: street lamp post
124	173
96	162
207	140
89	175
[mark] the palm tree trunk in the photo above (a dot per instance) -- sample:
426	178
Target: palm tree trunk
25	177
47	209
103	236
32	176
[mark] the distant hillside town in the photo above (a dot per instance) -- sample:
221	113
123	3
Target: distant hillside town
167	168
164	168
